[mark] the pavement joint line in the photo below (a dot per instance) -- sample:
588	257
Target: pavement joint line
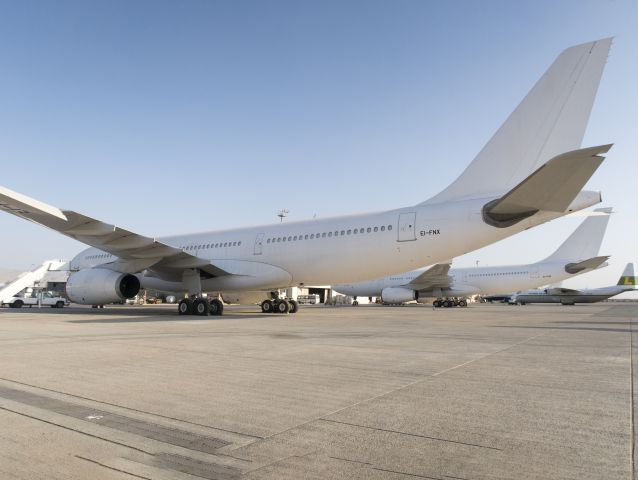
388	392
411	434
111	468
130	408
350	460
76	430
406	473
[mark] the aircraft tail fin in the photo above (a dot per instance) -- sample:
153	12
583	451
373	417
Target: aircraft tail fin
628	279
550	120
584	242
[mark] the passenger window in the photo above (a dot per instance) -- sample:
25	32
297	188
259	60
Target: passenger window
343	232
329	234
376	229
355	231
295	238
268	241
389	227
369	230
306	237
312	236
337	233
383	229
239	243
290	239
323	235
225	244
349	232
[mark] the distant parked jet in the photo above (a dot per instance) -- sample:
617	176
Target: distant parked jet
568	296
578	254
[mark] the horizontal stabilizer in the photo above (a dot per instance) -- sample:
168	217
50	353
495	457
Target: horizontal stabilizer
551	188
589	264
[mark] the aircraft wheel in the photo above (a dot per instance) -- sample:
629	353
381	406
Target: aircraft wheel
267	306
216	307
294	306
447	304
282	306
355	303
185	306
463	303
201	307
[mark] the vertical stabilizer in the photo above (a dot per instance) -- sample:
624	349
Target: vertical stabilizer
585	241
550	120
628	279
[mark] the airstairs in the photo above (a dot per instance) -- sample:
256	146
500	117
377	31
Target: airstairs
29	279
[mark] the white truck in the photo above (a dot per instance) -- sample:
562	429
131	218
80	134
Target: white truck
35	298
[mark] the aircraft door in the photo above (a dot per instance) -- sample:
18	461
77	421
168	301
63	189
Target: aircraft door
533	271
259	242
407	227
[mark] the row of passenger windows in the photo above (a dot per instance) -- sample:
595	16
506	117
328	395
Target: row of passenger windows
336	233
95	257
496	274
211	245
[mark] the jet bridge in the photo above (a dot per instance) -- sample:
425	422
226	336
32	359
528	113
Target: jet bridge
29	279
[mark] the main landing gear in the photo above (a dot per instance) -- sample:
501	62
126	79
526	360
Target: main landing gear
449	302
279	305
200	306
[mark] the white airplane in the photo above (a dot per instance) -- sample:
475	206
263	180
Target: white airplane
531	171
568	296
578	254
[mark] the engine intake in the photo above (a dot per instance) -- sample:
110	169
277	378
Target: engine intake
99	286
398	295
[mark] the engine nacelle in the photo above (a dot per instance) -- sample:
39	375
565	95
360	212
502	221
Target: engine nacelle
398	295
99	286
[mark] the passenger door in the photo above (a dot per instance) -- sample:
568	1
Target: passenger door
407	228
259	242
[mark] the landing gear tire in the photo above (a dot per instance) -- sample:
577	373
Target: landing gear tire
282	306
185	306
436	304
462	303
216	307
267	306
355	303
201	307
447	304
294	306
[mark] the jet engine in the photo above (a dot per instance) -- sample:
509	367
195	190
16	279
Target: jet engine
398	295
99	286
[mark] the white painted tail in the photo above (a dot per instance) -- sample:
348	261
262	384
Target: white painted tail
550	120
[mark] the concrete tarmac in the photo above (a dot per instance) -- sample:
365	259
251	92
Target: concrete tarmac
368	392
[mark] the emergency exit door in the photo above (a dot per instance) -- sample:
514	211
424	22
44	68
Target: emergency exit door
407	227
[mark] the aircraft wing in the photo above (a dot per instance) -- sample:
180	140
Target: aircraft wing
436	276
562	291
135	252
588	264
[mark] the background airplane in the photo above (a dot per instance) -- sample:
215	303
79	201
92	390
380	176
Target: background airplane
568	296
530	171
576	255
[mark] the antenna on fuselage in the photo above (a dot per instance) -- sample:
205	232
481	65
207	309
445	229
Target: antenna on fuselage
283	213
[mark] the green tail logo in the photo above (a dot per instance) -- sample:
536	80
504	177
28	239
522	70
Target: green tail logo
627	280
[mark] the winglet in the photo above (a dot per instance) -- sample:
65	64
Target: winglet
20	205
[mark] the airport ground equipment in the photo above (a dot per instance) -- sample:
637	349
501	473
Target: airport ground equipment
531	171
28	279
35	298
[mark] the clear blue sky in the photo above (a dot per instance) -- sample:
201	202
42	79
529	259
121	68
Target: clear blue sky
171	117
